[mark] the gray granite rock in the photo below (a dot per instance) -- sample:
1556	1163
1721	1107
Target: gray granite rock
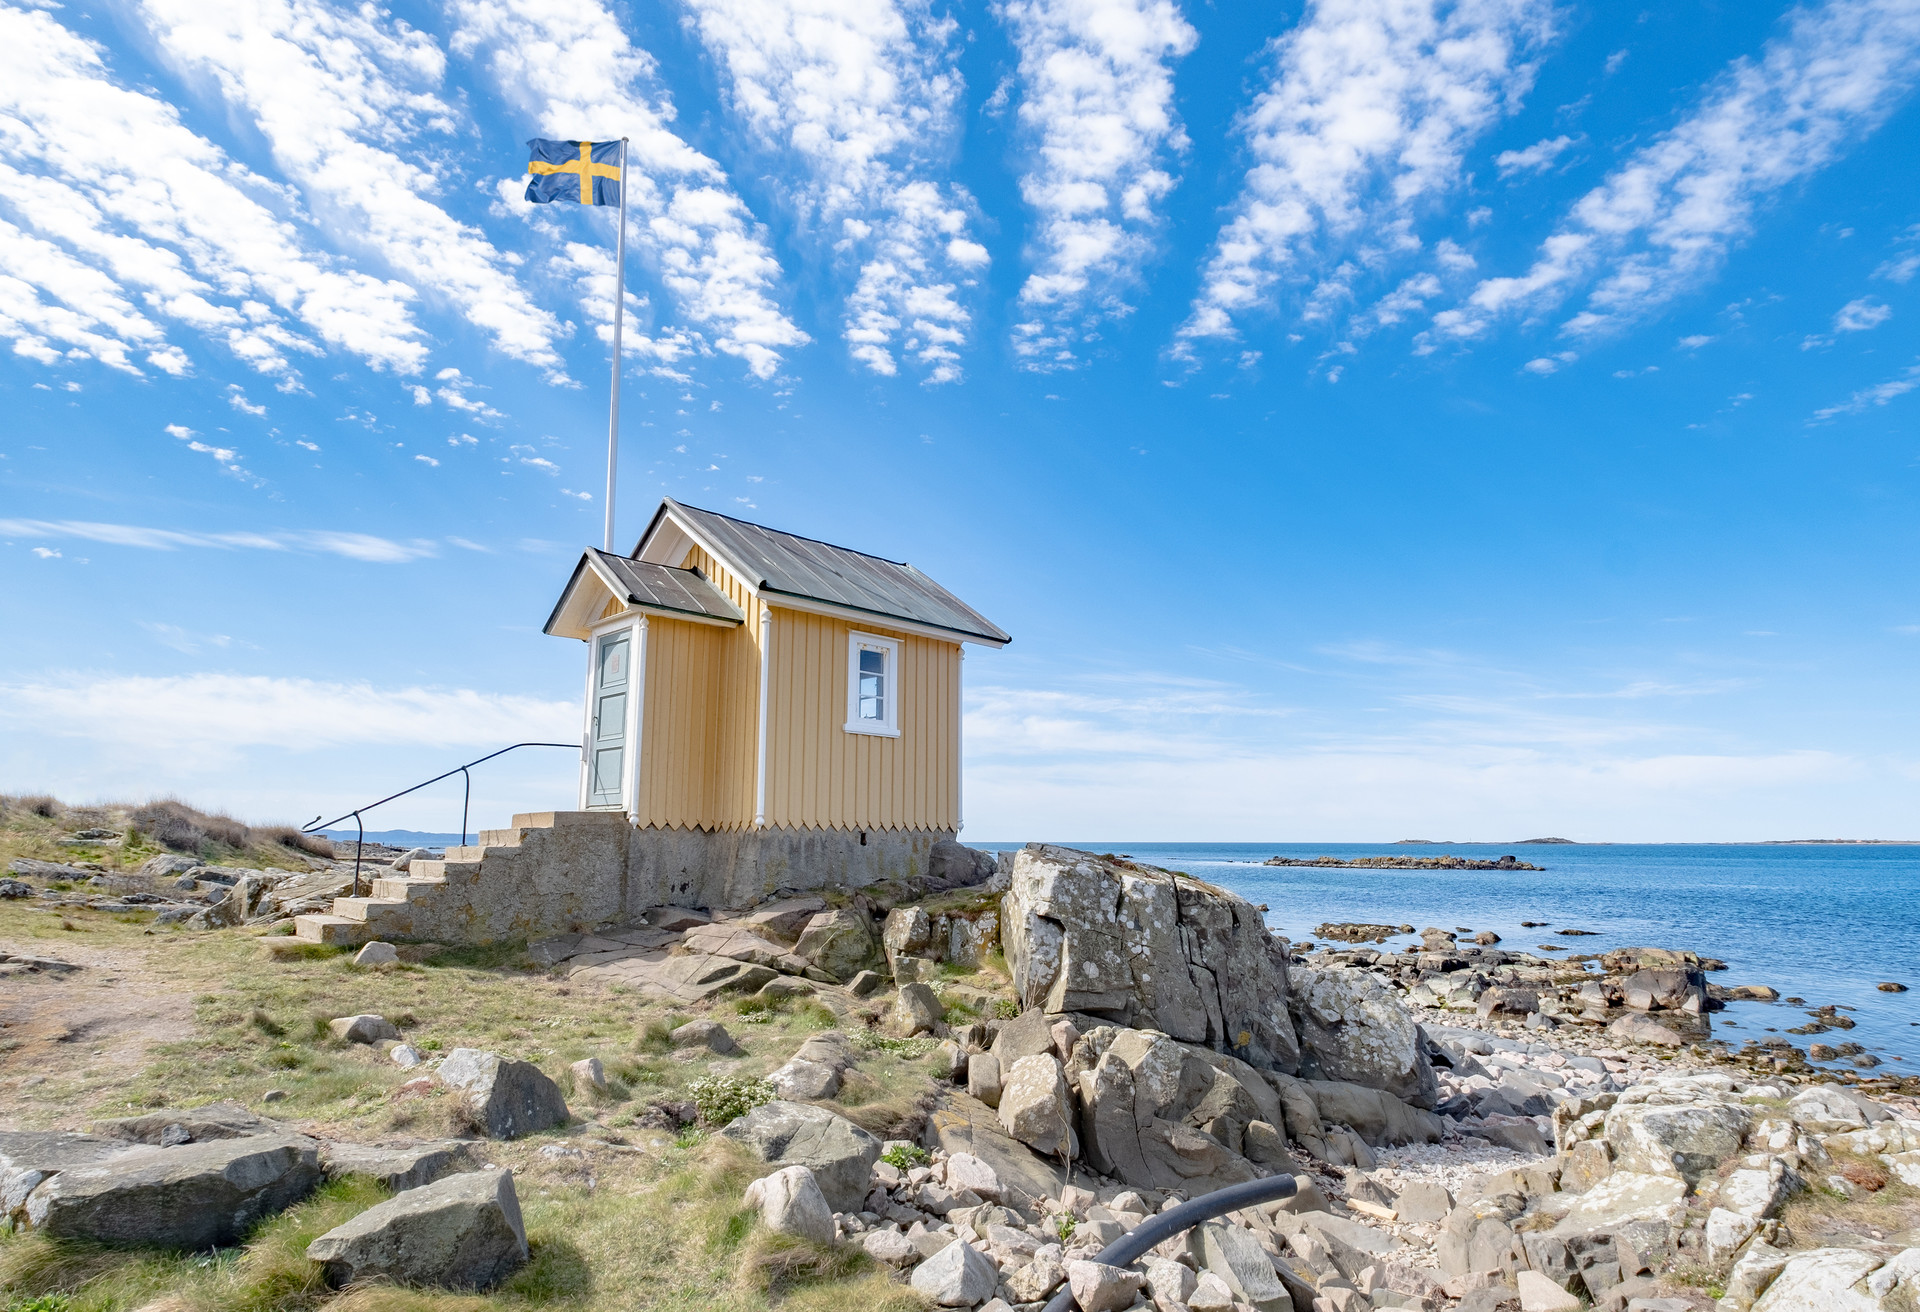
462	1232
839	1153
508	1098
198	1195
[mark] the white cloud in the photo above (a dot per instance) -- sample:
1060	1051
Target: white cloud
1879	394
1097	105
428	461
1694	342
1903	266
864	92
115	175
1662	222
1861	315
1371	109
47	553
570	66
540	463
1537	158
342	96
578	496
1149	757
203	713
89	316
354	546
237	398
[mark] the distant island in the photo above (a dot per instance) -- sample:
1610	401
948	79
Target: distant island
1854	842
1400	863
1524	842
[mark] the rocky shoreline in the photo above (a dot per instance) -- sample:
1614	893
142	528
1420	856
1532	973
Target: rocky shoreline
1471	1127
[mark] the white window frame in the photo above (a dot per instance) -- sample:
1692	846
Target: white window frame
890	726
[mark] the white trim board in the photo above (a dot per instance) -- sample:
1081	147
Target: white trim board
889	726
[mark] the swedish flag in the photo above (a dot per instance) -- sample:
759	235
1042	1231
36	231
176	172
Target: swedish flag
580	172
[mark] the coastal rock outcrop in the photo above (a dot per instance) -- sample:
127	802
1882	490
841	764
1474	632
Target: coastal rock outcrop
1149	949
1353	1029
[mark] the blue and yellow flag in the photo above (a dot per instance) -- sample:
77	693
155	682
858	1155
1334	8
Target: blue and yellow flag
579	172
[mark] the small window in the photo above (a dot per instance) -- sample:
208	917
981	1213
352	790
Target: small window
873	673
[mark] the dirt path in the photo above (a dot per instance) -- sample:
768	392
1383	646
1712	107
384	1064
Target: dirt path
55	1024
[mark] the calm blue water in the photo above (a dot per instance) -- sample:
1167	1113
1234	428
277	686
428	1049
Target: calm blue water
1822	923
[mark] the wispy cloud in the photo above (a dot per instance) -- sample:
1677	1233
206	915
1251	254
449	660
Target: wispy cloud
1097	104
1146	758
570	65
864	93
342	96
222	712
1370	111
114	175
1906	261
1663	221
1537	158
1879	394
354	546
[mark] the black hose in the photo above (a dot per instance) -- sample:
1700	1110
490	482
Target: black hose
1155	1230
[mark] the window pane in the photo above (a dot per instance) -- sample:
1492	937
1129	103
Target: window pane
871	709
873	662
871	685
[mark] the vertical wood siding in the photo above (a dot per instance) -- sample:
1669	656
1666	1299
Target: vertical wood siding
700	739
818	774
702	715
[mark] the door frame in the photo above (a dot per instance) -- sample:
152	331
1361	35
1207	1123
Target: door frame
631	764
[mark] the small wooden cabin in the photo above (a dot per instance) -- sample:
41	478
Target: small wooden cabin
740	678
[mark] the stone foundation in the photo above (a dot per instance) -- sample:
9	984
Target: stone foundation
558	871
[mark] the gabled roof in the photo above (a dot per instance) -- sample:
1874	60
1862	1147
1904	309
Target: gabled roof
837	579
661	589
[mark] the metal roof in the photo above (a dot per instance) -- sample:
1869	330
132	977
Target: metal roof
790	565
666	587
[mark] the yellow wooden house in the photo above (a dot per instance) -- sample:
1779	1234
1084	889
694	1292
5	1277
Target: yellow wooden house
744	679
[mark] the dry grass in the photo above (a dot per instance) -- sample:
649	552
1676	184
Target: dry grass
36	827
640	1219
1817	1213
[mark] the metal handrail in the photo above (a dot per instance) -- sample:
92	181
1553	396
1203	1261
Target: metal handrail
1156	1230
466	799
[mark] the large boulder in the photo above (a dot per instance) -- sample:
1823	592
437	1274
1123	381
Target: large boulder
1353	1029
1826	1280
29	1156
842	943
1149	949
463	1232
406	1167
215	1120
839	1153
955	865
1679	1126
198	1195
508	1098
1035	1108
790	1203
1374	1115
959	1275
1138	1093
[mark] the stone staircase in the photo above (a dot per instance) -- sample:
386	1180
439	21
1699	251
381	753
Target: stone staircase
502	887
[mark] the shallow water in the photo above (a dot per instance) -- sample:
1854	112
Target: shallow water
1824	923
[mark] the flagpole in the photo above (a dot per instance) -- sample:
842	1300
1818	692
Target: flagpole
619	312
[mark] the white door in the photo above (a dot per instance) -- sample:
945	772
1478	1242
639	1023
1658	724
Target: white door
607	736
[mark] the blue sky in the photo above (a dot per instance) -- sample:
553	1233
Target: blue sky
1372	418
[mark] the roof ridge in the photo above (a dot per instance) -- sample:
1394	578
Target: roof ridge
820	542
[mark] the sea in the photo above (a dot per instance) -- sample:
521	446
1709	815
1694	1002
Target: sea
1824	922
